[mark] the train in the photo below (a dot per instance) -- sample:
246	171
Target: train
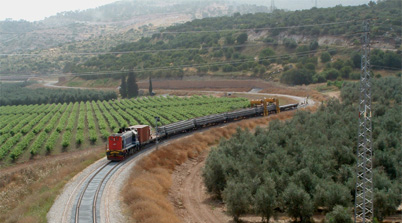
133	138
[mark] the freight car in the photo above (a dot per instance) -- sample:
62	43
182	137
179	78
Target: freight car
131	139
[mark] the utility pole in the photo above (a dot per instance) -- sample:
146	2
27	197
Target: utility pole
272	5
157	119
316	3
364	170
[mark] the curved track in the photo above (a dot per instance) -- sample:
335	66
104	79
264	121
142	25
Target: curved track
86	209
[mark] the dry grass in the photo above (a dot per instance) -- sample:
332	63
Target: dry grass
29	190
145	193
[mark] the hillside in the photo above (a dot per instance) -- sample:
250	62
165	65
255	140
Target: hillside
260	45
72	48
67	37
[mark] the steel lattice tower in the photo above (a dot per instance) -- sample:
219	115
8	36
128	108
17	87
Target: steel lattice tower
364	173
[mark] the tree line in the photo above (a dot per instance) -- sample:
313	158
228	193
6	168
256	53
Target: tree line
307	164
21	94
305	71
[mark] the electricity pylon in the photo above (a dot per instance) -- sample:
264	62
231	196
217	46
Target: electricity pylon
364	170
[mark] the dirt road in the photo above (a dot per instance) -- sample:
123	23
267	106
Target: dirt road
188	194
192	202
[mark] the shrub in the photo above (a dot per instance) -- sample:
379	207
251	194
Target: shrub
265	200
325	57
340	214
290	43
237	198
331	74
298	203
297	77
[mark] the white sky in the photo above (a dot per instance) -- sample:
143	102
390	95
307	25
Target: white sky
34	10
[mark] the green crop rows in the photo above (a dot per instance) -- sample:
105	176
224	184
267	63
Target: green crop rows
50	128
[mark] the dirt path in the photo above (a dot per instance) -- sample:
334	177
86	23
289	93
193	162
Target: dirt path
189	196
191	200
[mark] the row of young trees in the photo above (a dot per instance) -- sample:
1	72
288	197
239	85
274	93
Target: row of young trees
21	94
308	163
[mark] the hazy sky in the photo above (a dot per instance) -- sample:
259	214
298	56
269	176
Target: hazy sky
33	10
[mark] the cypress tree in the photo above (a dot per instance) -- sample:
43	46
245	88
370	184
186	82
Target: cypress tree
132	87
150	86
123	87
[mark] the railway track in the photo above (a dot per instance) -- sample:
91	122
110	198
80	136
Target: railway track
87	204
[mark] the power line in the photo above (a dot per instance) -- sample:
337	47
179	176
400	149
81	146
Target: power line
156	51
194	65
141	51
201	31
386	68
259	29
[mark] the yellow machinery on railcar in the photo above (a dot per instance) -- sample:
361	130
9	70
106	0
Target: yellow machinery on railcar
265	102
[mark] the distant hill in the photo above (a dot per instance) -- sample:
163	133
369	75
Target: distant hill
242	43
261	44
118	17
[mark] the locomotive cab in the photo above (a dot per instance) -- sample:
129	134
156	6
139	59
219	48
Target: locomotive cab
122	144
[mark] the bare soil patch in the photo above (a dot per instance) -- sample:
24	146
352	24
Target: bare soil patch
206	84
189	197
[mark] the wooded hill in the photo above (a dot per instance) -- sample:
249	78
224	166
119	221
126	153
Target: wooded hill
56	40
215	45
261	44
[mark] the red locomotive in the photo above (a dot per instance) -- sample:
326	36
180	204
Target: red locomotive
127	141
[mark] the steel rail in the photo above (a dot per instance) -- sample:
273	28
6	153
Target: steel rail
77	209
97	193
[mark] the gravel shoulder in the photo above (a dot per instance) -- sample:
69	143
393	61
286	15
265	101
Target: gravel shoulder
62	208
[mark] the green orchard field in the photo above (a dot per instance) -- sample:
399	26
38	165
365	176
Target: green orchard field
30	130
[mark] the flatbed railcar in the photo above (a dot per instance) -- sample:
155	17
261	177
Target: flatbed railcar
131	139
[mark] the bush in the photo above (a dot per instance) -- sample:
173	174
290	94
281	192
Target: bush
345	71
298	203
319	78
356	60
297	77
355	76
237	198
310	66
338	64
213	175
340	214
331	74
289	43
267	52
242	38
314	45
265	200
325	57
